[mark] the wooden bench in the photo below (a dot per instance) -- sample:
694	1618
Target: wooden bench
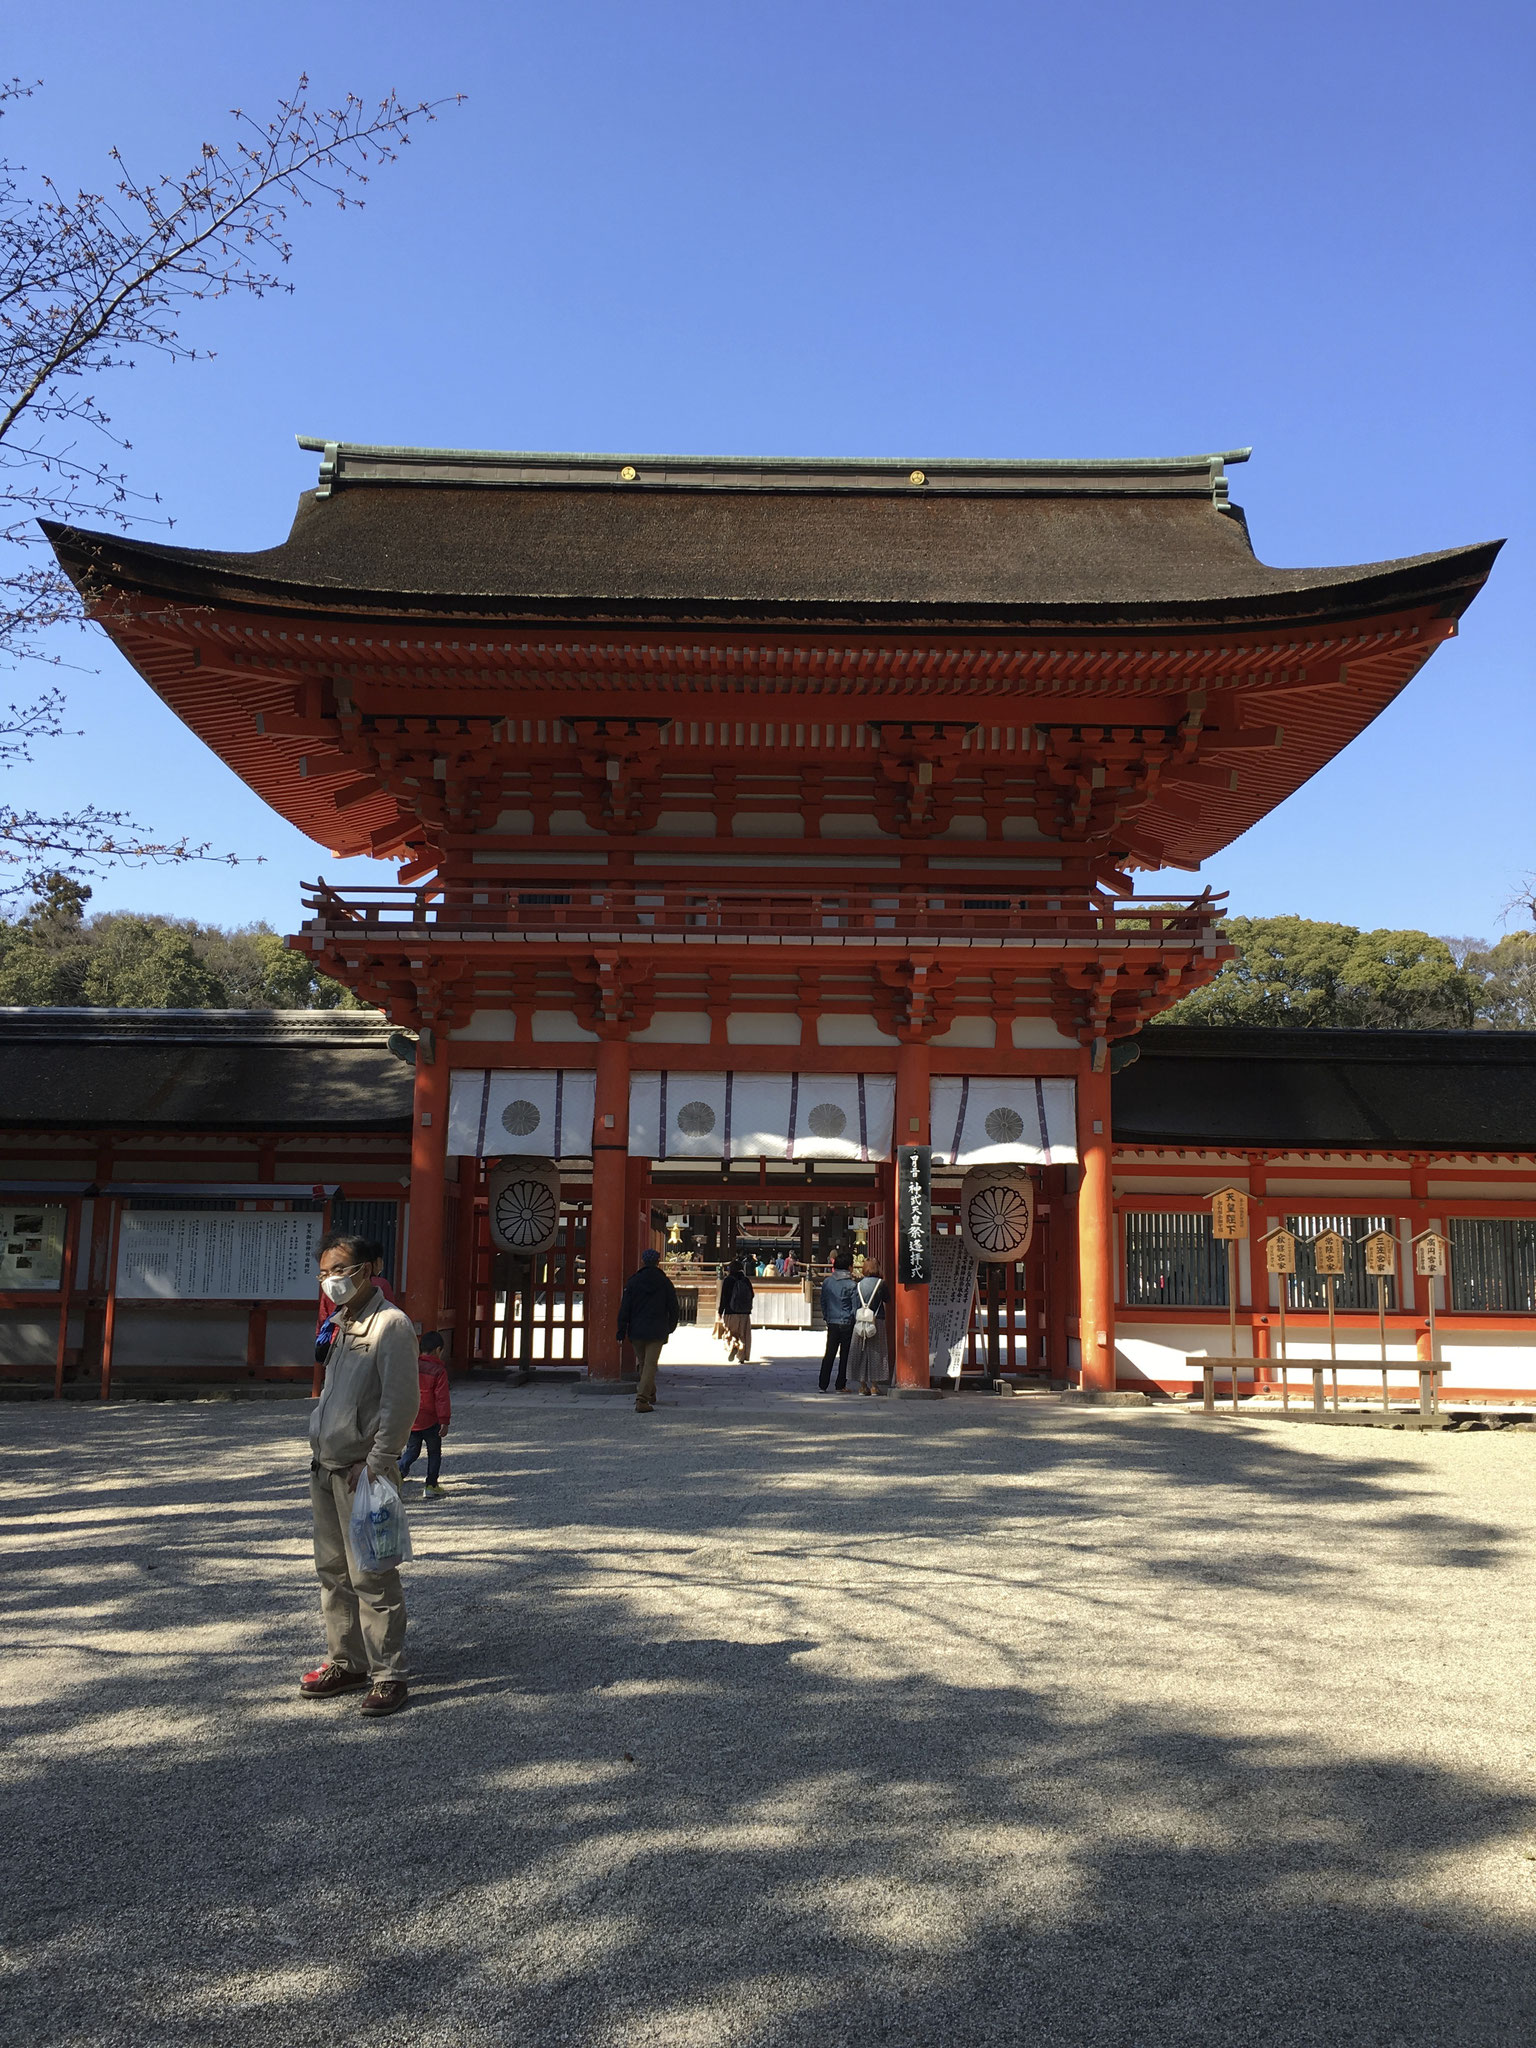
1430	1376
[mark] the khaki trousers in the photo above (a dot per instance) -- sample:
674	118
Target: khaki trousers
740	1328
647	1356
364	1612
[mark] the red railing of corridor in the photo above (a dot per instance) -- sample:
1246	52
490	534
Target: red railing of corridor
928	910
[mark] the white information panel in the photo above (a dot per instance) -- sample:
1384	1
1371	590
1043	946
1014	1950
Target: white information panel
951	1292
217	1255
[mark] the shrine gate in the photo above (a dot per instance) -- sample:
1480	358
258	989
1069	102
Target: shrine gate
755	818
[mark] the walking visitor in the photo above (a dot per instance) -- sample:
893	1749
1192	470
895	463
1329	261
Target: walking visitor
737	1295
359	1424
868	1365
838	1303
432	1415
648	1314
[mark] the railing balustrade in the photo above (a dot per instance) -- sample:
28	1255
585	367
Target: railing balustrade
924	910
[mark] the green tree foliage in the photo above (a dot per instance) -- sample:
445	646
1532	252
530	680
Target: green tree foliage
55	955
1505	975
1295	971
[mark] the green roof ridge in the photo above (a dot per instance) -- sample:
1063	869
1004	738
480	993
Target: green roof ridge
1145	465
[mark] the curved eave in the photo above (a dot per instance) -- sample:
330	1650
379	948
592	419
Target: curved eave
141	588
1447	580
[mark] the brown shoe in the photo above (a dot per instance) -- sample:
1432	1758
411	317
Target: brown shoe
645	1407
326	1680
388	1696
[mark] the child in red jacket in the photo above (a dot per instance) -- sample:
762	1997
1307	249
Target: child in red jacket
432	1416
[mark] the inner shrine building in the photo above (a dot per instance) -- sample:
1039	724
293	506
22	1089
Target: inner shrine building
756	818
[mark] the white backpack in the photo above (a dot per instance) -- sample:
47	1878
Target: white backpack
864	1324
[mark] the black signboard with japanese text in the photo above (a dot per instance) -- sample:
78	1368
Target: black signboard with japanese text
914	1232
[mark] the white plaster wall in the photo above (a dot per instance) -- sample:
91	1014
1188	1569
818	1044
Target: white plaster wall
770	824
29	1336
674	1027
559	1027
852	1030
761	1027
291	1336
189	1336
685	824
1496	1360
1040	1034
488	1024
977	1032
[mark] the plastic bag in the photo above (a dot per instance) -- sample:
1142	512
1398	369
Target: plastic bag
381	1537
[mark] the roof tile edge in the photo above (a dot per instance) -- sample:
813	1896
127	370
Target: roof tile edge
358	462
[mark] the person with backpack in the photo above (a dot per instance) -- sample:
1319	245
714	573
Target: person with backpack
648	1314
432	1416
868	1365
737	1295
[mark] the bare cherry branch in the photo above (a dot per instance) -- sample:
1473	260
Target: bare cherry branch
91	284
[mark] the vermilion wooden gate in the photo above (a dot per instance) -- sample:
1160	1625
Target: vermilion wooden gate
520	1312
1026	1316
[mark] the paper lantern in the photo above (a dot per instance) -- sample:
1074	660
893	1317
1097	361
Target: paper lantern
997	1213
524	1205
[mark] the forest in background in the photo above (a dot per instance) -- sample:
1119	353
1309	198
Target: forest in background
55	956
1290	972
1295	972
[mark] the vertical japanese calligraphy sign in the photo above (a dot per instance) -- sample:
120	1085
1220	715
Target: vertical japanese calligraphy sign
914	1247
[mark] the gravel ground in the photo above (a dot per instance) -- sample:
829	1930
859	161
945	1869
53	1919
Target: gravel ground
950	1724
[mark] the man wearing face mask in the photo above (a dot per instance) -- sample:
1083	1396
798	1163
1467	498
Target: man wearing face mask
361	1421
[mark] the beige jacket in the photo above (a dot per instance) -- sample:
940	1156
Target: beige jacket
369	1399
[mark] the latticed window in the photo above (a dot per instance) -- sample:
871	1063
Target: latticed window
1353	1289
1493	1262
1172	1260
377	1220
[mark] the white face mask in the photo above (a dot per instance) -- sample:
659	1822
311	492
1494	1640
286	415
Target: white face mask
340	1287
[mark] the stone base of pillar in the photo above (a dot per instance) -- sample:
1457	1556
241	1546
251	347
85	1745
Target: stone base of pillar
1102	1397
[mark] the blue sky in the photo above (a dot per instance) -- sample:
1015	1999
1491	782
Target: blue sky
918	230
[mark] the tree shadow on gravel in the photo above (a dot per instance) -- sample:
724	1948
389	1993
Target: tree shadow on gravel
641	1799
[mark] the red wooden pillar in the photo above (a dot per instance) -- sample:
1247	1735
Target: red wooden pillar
1061	1237
1095	1231
606	1233
429	1165
637	1211
109	1318
66	1285
912	1072
1035	1291
462	1282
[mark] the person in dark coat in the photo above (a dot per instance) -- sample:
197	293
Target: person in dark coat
648	1314
736	1298
839	1303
